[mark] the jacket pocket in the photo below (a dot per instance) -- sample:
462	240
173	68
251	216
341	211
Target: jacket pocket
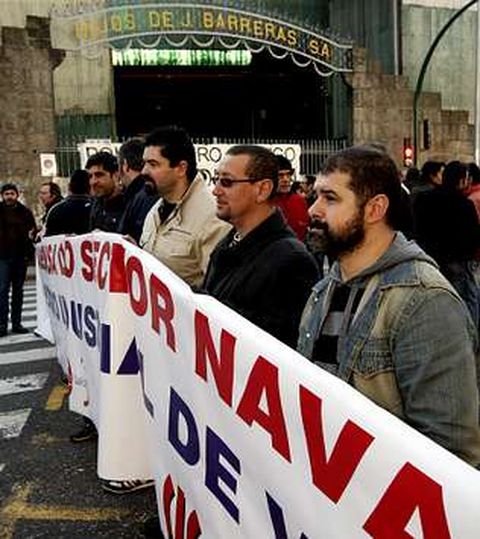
374	376
177	243
375	357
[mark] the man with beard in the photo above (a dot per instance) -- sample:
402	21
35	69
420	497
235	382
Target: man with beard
260	269
378	320
17	227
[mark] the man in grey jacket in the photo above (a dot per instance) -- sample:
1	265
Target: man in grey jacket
385	319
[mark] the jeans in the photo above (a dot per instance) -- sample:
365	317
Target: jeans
12	274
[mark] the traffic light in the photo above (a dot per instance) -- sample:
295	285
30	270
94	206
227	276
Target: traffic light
426	135
407	152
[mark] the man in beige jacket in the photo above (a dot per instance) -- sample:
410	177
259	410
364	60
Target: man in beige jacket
181	229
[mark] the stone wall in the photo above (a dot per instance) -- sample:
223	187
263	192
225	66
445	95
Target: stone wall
27	121
383	112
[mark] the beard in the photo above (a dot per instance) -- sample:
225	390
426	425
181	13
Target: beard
149	186
340	242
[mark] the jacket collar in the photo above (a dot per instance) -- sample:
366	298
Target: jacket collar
394	268
273	226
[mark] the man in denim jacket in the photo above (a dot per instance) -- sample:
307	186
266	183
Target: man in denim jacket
384	319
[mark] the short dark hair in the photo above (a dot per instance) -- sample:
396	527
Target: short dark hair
131	152
429	169
372	172
453	173
9	187
309	179
175	145
284	163
55	190
263	163
103	159
474	173
79	182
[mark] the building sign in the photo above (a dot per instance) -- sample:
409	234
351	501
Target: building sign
150	25
48	165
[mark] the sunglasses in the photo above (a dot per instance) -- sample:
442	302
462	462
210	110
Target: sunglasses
228	182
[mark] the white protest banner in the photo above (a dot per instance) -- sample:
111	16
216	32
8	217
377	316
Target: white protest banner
208	155
44	329
80	291
247	438
93	146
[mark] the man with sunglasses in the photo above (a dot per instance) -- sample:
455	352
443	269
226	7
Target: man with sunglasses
260	269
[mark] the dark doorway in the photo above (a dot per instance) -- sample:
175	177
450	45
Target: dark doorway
268	99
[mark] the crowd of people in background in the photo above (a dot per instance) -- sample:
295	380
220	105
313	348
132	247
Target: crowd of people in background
384	268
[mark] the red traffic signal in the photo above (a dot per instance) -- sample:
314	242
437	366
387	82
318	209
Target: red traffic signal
408	154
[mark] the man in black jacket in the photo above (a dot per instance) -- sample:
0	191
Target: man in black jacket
447	229
109	203
140	195
260	269
72	215
17	227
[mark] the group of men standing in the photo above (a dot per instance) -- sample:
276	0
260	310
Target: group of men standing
384	319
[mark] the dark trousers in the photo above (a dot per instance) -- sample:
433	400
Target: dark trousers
12	275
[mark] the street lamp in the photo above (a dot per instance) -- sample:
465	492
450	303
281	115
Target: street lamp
421	76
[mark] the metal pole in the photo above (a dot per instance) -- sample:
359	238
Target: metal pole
477	92
423	70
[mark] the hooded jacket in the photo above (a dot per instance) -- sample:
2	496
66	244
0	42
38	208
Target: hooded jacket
410	346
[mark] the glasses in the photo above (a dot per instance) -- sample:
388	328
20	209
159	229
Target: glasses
228	182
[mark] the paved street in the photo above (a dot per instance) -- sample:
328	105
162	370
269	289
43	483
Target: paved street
48	486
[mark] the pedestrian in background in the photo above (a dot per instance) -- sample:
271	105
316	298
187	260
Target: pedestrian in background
49	195
308	184
446	227
139	194
474	193
293	205
72	215
17	229
431	175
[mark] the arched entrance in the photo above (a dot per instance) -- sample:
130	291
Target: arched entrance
283	93
266	99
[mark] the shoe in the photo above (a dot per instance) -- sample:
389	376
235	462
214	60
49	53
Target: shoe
20	329
3	332
129	485
88	432
151	528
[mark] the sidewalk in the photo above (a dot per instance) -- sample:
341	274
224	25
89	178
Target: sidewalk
31	272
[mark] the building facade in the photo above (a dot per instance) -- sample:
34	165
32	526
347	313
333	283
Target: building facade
288	70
